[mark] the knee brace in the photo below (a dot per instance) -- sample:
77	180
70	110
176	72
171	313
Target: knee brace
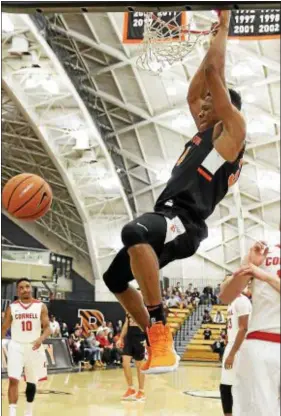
30	392
226	398
134	233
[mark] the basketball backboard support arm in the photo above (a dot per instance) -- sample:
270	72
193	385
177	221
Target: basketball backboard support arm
31	7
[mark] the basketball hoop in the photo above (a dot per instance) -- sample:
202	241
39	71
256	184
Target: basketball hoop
166	43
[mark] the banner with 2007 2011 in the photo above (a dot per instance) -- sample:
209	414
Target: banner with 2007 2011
57	351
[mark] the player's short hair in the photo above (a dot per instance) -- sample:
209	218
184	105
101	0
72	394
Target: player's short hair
235	98
23	279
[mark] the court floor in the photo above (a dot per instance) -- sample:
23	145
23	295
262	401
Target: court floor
98	393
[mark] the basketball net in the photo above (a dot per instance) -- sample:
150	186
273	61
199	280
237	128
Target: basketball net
167	43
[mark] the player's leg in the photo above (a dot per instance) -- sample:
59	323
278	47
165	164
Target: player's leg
256	390
226	399
15	368
139	355
131	392
35	369
116	278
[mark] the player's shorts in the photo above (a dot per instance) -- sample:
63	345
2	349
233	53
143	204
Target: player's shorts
22	358
171	237
228	376
256	391
134	346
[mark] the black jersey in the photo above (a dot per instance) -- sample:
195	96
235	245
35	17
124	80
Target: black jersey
199	180
133	328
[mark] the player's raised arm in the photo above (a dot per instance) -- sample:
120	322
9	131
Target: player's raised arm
232	287
7	322
231	140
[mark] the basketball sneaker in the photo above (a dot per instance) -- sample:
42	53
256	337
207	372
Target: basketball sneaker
163	357
129	395
140	396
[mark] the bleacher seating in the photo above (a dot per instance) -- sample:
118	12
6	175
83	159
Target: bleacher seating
199	349
176	317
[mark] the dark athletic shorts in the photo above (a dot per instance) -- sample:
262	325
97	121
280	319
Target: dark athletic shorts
134	345
171	237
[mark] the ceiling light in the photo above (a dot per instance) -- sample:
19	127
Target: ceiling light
50	85
163	175
250	98
256	126
82	140
241	70
7	24
268	180
109	183
171	91
31	82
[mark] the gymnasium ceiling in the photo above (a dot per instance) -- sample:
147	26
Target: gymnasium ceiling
77	111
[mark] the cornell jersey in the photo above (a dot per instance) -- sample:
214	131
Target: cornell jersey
200	179
26	321
265	299
239	307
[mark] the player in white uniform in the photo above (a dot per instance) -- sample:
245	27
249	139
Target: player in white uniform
237	325
27	318
257	388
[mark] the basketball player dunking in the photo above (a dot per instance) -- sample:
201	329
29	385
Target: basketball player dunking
256	391
132	341
238	313
209	164
27	318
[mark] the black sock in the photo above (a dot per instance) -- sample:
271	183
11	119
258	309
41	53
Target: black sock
156	314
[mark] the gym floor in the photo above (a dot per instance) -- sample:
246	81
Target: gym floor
98	393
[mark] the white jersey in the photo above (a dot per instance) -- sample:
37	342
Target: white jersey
26	321
239	307
266	300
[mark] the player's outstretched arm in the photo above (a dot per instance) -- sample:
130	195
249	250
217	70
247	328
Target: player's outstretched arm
7	322
243	328
123	333
234	285
197	91
260	274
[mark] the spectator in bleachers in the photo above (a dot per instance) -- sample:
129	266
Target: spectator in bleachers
219	318
102	327
195	296
218	347
55	327
207	334
216	294
179	288
189	289
223	335
165	295
91	346
208	294
207	319
183	301
173	302
119	326
64	330
75	345
110	325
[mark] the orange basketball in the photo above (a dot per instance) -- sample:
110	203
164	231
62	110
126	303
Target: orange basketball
27	197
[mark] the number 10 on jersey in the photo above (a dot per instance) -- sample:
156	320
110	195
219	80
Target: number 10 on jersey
26	326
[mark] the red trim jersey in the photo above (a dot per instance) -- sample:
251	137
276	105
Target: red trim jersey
26	322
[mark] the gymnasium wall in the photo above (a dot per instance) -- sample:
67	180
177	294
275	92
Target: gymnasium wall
82	289
67	311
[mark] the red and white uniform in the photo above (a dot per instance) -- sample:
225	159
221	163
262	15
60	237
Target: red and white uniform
239	307
257	392
25	329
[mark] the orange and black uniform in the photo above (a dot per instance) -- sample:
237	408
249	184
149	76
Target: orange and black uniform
134	341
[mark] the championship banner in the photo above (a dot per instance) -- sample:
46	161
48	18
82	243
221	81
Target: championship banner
57	353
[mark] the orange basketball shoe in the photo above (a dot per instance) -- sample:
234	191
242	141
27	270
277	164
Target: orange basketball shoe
129	395
163	357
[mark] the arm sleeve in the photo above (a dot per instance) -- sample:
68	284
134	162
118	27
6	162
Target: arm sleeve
243	306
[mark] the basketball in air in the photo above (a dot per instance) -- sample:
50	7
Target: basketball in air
27	197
